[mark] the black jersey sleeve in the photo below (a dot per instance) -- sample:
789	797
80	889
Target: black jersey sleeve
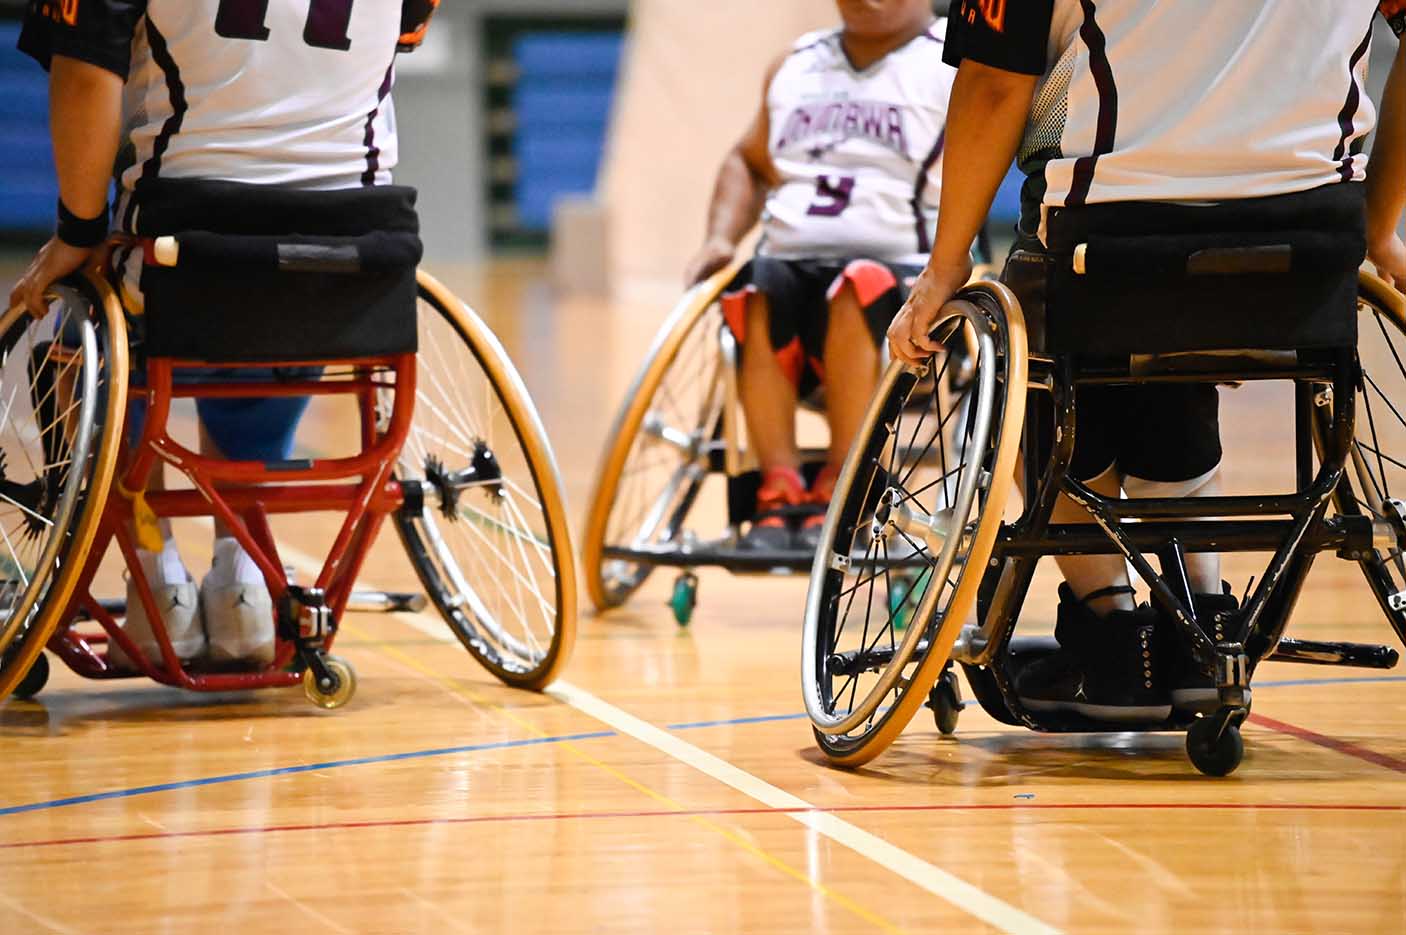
95	31
1011	35
1395	13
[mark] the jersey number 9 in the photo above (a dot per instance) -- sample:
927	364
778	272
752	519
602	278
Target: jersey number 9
328	21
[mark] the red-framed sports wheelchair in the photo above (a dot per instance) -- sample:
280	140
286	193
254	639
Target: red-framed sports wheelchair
448	445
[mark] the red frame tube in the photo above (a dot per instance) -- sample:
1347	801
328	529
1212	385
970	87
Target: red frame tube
242	494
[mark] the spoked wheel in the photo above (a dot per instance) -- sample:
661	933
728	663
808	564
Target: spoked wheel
490	540
1376	474
923	489
63	384
661	445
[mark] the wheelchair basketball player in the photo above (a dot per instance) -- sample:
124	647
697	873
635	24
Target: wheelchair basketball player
842	165
285	93
1268	102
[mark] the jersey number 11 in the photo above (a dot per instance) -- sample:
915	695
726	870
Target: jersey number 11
328	21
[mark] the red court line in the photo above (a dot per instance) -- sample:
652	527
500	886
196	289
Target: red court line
713	812
1331	743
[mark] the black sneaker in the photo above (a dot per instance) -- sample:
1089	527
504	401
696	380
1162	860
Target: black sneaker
769	532
1105	668
812	525
1192	689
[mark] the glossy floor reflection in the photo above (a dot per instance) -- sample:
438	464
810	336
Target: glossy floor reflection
440	801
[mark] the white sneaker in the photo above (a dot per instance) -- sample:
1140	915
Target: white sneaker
237	606
174	592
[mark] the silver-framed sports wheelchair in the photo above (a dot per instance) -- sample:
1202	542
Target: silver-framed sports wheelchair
681	425
320	293
1261	291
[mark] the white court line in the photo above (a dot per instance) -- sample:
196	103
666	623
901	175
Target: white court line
921	873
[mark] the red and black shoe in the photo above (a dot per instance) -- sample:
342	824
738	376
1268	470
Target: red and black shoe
816	506
783	490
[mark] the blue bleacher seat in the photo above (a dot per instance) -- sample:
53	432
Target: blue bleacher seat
562	102
28	189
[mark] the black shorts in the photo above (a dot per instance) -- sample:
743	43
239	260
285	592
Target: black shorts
798	294
1167	432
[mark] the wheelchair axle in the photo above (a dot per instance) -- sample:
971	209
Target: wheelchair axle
899	513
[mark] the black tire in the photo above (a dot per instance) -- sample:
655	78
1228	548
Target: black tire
945	699
34	680
1212	755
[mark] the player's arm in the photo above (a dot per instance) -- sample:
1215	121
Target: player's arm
1386	177
87	57
997	71
739	193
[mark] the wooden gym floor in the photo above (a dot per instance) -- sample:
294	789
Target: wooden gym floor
670	783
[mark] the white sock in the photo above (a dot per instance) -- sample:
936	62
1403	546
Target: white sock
232	564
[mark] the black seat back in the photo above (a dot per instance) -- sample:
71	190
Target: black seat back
1264	273
272	274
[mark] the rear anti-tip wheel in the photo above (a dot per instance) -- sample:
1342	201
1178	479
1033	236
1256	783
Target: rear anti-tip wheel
35	679
945	699
1214	753
685	598
336	689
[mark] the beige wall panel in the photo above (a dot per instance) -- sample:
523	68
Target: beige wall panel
691	81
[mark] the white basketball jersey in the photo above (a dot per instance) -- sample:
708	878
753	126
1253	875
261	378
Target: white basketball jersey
272	92
859	153
1201	101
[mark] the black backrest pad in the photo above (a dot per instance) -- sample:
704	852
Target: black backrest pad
1265	273
202	312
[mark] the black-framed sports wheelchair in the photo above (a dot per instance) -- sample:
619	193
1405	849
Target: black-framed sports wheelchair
321	292
1225	307
681	425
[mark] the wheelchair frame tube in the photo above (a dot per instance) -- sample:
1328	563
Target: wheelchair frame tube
1295	541
242	493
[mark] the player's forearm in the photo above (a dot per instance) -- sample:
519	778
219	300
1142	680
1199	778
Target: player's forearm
1386	171
85	119
738	196
985	121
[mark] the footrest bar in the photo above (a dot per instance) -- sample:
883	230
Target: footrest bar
1314	653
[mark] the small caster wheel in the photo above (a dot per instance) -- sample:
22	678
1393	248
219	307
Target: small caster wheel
684	598
1214	756
945	699
35	679
341	689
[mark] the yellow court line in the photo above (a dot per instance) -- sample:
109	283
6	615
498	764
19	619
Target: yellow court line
454	686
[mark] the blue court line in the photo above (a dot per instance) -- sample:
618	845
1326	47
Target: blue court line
1346	680
761	719
508	744
289	770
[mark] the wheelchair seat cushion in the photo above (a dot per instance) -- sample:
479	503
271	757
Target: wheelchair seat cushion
268	273
1275	273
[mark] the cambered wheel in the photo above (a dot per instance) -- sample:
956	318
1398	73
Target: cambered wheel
920	499
661	445
336	690
63	393
489	540
1375	481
